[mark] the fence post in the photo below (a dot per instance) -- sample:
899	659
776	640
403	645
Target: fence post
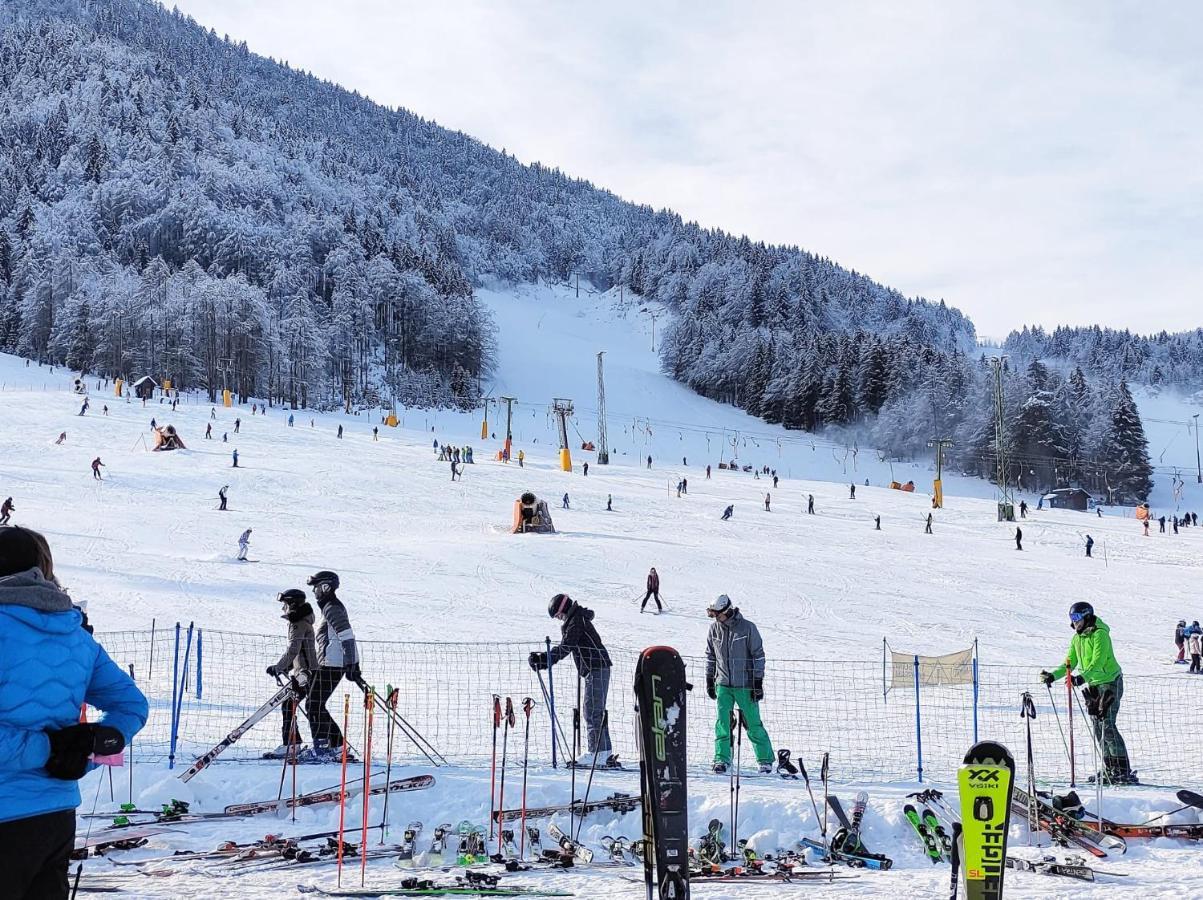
976	690
179	694
884	690
200	636
918	726
150	667
551	693
175	678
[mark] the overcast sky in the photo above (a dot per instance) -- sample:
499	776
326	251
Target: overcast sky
1024	163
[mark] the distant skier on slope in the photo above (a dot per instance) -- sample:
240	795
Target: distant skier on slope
653	591
810	504
1089	545
1091	653
221	495
299	660
1180	640
852	492
1018	538
7	509
768	499
728	512
337	655
97	465
580	639
735	677
61	438
244	542
927	528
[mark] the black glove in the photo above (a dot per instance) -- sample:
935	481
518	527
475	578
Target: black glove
1091	694
351	670
1047	678
538	661
273	671
1079	681
758	690
710	688
70	748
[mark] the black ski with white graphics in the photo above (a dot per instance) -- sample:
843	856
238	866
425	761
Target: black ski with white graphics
289	693
660	697
619	803
399	785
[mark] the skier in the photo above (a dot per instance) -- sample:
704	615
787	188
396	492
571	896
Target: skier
6	511
852	492
728	512
1146	526
237	425
105	408
653	590
685	486
774	481
208	431
707	472
565	500
1018	538
1195	639
521	459
61	438
810	504
290	420
299	660
84	409
375	433
609	503
579	638
1161	523
735	677
1023	509
97	465
213	412
927	528
649	461
235	453
221	495
586	469
1180	641
767	500
337	655
153	423
877	523
1175	524
1089	545
456	471
50	667
244	541
1091	653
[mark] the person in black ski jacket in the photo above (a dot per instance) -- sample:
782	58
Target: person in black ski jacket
580	639
1180	641
653	590
299	662
6	511
337	655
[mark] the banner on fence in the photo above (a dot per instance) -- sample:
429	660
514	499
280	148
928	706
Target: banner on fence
951	668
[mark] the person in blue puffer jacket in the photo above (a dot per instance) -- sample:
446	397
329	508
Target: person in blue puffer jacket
49	668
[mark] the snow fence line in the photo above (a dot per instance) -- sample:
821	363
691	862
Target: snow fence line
202	686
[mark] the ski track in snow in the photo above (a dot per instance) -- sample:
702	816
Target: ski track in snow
424	559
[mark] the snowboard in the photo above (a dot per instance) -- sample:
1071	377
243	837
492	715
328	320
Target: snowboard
986	782
660	698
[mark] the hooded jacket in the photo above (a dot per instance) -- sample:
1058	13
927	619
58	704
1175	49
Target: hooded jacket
301	655
580	638
734	652
1092	655
49	668
336	645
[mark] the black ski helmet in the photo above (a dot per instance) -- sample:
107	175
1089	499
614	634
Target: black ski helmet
292	597
560	604
323	583
1081	615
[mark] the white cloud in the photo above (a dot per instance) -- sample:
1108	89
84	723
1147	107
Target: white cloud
1026	162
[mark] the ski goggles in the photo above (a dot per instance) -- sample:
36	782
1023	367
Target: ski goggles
1077	617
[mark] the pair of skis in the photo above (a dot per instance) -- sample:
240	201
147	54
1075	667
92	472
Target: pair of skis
937	842
330	795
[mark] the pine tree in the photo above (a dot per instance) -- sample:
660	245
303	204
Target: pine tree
1125	450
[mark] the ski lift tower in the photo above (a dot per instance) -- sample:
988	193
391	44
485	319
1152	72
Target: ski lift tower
563	409
1006	503
509	422
603	451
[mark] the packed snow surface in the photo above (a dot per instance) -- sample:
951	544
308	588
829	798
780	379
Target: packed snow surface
423	558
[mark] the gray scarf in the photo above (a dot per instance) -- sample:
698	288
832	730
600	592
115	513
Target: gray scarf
30	588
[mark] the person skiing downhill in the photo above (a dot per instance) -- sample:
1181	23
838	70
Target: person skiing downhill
580	639
337	655
1091	653
221	495
735	677
1180	641
299	661
6	511
50	667
97	465
728	512
244	542
653	590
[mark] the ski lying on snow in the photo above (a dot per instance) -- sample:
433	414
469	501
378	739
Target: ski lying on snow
1078	832
852	860
436	891
1050	866
619	803
417	783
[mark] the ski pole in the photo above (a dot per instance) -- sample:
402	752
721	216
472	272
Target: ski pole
527	705
369	708
505	742
342	793
550	696
1027	712
823	772
1069	702
739	755
1057	716
809	790
131	743
388	768
493	767
589	784
557	730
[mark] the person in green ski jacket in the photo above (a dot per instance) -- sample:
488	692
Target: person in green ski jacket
1093	658
735	677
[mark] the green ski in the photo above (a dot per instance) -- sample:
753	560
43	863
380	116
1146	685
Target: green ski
986	782
931	845
933	825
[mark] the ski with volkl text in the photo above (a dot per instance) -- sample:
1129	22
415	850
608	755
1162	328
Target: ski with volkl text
986	782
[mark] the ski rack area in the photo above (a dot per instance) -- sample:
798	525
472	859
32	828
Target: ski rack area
214	679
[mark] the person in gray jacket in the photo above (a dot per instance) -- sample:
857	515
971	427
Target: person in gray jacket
337	655
298	662
735	677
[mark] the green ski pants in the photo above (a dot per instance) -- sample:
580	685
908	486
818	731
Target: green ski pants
728	699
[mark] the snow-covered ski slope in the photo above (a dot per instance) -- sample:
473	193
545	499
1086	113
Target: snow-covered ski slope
425	559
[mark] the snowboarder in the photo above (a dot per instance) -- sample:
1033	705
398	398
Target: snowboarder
1091	653
235	453
337	655
244	542
1195	640
653	590
208	431
586	469
579	638
97	465
767	501
1180	641
61	438
852	492
728	512
1023	509
1018	538
735	677
927	528
221	495
810	504
609	503
50	667
565	500
1089	545
299	659
6	511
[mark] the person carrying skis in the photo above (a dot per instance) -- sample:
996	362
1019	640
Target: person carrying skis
735	677
579	638
299	661
50	667
728	512
653	590
1180	641
6	511
1091	653
244	541
221	495
337	655
97	465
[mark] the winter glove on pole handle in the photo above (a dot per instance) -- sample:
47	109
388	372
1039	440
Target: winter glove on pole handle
527	705
1079	680
353	673
1047	677
509	713
538	660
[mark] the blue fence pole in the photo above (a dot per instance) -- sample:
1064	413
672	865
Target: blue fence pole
175	679
200	637
551	693
918	725
175	729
